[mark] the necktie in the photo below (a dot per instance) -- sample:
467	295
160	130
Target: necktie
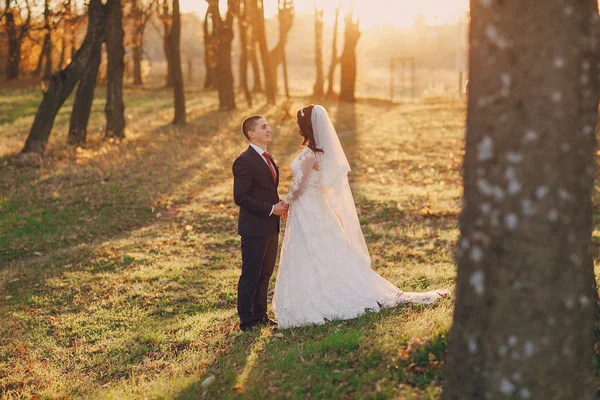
266	155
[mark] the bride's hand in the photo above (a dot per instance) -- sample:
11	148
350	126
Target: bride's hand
285	214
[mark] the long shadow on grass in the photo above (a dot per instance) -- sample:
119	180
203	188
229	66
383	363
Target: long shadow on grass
340	359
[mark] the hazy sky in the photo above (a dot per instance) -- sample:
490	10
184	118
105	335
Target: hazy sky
400	13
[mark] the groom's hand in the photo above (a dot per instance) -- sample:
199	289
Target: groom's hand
279	209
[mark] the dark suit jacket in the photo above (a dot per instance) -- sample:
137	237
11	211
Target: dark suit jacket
255	193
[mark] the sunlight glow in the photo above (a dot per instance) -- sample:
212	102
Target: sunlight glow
257	348
398	13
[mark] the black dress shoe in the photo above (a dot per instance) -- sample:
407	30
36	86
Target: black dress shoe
247	327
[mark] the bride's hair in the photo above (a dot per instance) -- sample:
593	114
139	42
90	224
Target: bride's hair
304	117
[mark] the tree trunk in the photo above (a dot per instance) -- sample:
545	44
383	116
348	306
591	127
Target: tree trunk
277	55
210	52
285	77
525	302
65	23
167	40
62	83
243	29
224	72
137	42
268	69
73	47
169	57
47	49
115	51
46	54
348	60
14	47
257	83
82	106
63	50
175	44
137	61
334	57
41	59
318	87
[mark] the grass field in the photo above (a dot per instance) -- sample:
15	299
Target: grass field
120	261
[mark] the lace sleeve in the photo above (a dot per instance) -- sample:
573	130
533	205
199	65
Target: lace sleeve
307	161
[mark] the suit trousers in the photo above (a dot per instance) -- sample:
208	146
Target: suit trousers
258	262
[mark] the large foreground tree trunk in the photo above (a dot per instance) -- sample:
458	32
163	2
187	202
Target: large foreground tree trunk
525	302
62	83
84	97
348	60
175	45
115	50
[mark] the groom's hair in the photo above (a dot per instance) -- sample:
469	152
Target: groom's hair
249	124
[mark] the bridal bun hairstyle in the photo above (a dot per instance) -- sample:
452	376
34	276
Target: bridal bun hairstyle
304	117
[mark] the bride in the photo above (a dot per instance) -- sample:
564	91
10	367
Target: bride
325	268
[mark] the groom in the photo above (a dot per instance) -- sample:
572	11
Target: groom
255	181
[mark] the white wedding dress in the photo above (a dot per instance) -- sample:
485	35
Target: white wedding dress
324	271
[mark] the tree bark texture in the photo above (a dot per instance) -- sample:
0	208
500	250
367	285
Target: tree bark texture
525	300
82	106
179	94
115	50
